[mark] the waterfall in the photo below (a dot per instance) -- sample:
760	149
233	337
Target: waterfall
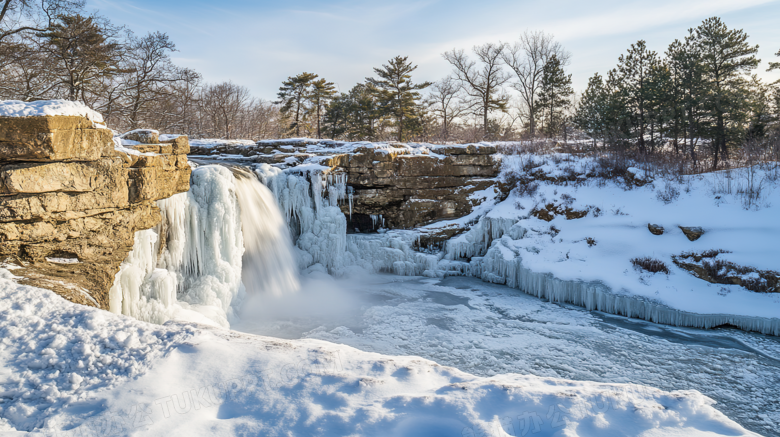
223	234
269	263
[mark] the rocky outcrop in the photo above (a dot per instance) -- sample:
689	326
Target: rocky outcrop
407	186
70	203
693	233
655	229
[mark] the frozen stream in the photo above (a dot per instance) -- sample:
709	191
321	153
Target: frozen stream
487	329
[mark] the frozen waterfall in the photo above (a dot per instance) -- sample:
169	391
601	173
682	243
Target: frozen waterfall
191	266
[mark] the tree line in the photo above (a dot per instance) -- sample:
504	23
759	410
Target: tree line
471	104
52	49
701	95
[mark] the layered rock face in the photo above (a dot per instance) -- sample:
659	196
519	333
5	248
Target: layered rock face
408	187
70	203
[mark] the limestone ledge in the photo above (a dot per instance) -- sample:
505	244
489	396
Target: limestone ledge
70	203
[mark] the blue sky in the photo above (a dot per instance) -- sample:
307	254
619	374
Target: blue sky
259	43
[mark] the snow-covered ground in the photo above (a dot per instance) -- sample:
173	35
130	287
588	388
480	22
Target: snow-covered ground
486	329
597	249
81	371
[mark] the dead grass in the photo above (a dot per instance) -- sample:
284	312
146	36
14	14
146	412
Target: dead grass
651	265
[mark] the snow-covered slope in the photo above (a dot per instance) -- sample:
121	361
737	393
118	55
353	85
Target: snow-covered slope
82	371
587	260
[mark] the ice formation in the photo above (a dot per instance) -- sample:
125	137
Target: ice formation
504	265
190	266
317	224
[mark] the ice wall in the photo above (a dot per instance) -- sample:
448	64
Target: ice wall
309	199
503	265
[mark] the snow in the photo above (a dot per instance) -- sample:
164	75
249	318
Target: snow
80	370
54	353
212	143
16	108
603	271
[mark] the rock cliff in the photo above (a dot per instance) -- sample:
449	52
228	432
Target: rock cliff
407	186
71	203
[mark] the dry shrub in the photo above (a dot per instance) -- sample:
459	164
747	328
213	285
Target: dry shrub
651	265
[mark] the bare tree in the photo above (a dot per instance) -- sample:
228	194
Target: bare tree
484	81
25	70
223	104
527	58
445	100
18	16
149	74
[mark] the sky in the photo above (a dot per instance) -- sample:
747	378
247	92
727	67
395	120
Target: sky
258	44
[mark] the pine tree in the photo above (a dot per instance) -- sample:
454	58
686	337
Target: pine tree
554	95
84	52
760	102
293	96
774	65
396	95
726	57
354	116
322	93
660	111
685	62
335	118
635	69
591	110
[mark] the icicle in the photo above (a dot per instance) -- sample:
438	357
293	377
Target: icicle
351	190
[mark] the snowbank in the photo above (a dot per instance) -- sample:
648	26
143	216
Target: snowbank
80	371
16	108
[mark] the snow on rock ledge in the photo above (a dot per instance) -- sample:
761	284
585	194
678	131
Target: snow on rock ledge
17	108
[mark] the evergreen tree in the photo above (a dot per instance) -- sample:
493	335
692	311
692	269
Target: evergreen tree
293	96
592	108
635	69
660	108
335	117
355	116
774	65
619	120
688	69
761	111
726	57
322	93
84	52
554	95
674	96
396	95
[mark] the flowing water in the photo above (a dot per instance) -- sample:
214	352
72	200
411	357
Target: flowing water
269	264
